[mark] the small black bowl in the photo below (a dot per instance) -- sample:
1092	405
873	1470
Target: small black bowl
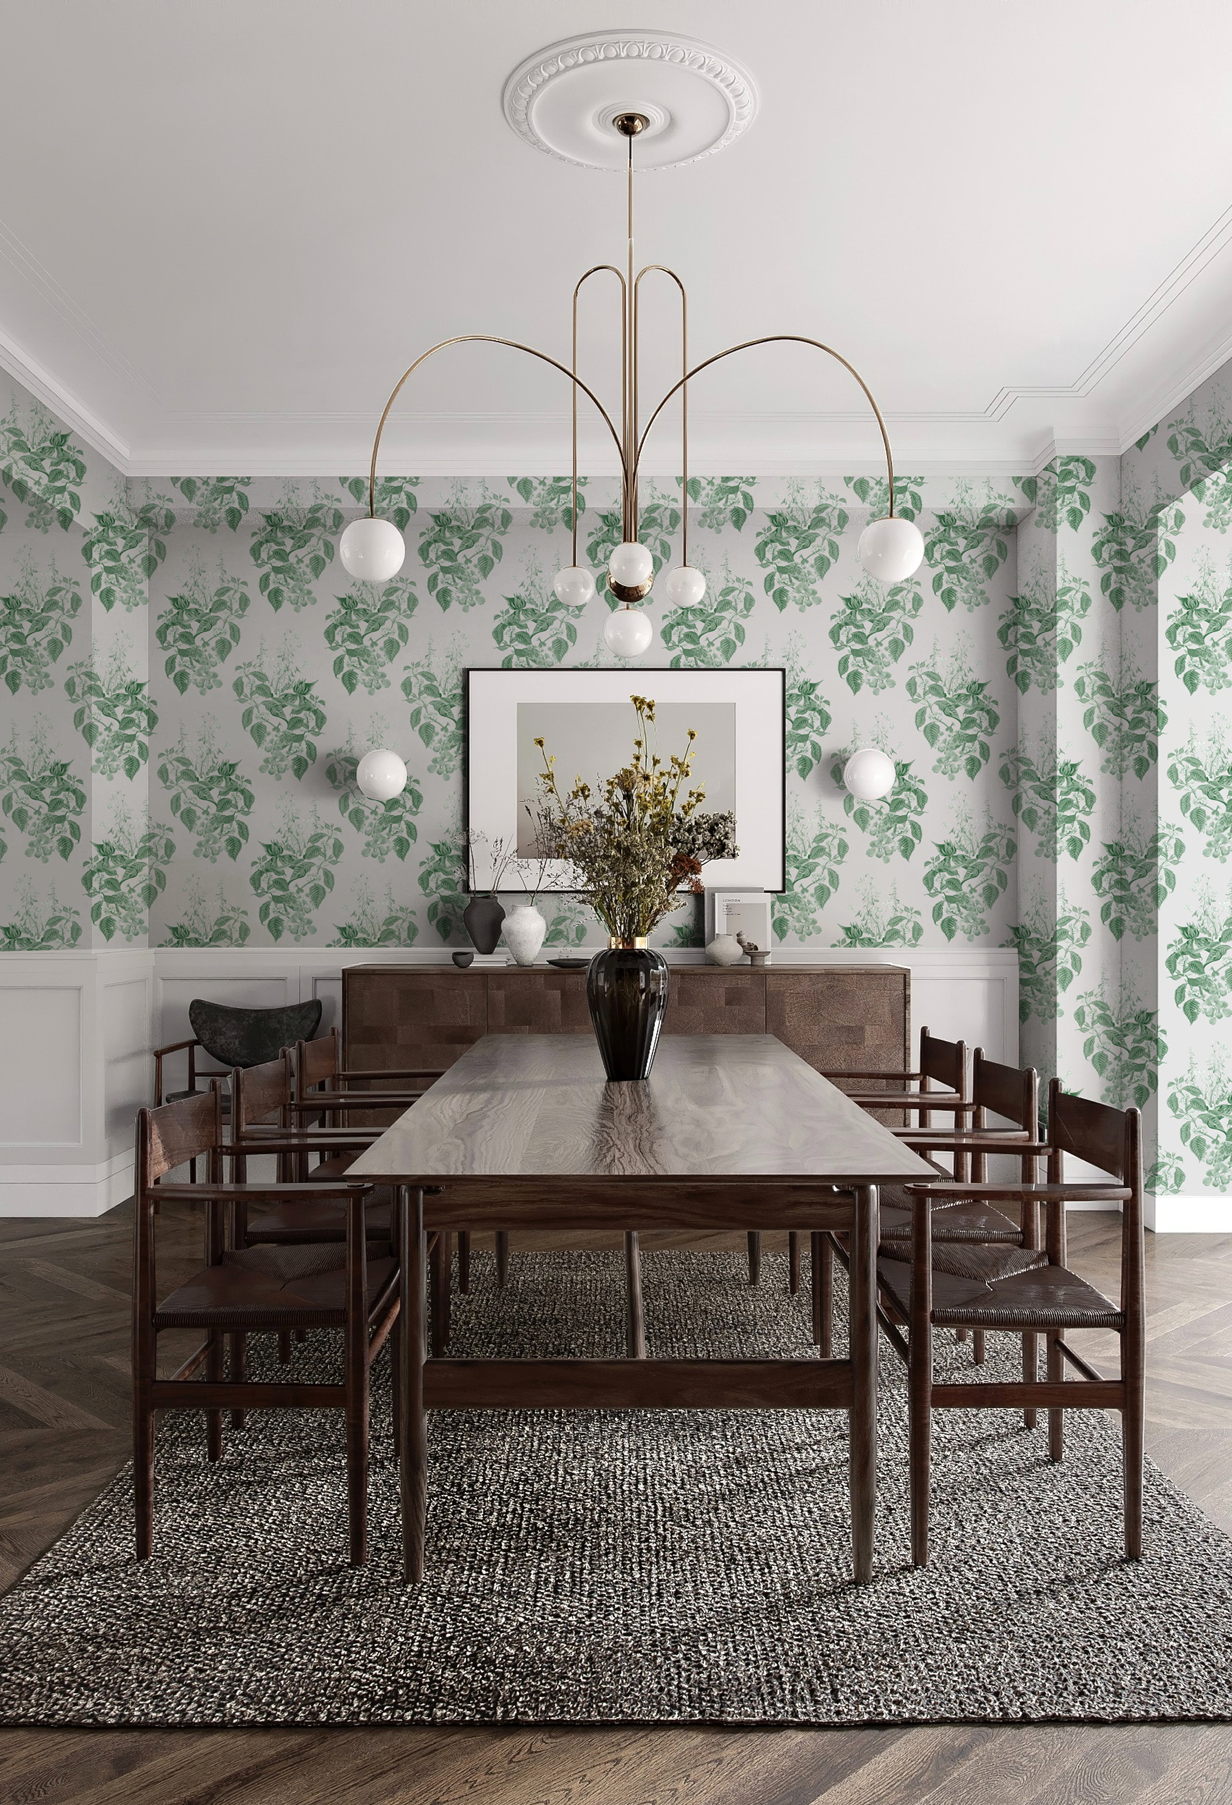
569	964
462	960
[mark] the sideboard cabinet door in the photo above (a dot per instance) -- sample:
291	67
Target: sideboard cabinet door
844	1019
714	1000
420	1019
537	1002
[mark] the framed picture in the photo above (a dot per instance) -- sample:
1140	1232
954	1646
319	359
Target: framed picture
744	912
586	719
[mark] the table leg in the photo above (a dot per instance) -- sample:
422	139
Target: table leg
863	1355
442	1285
635	1324
413	1470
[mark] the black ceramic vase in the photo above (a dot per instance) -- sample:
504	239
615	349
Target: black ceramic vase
483	916
626	988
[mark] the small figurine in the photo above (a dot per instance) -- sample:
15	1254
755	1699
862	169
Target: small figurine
752	951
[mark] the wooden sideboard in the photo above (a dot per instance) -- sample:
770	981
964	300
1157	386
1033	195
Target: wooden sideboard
837	1017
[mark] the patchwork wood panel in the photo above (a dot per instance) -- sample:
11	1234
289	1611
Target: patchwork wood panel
843	1018
835	1017
709	999
537	1002
425	1018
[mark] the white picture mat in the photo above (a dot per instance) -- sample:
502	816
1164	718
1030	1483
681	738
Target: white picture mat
492	767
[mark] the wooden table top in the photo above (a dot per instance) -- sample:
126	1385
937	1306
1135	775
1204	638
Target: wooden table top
716	1107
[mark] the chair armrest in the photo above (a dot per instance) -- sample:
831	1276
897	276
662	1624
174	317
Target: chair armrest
912	1099
898	1077
987	1141
176	1046
327	1100
339	1140
392	1072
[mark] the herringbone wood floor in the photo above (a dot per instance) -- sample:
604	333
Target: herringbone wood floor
63	1432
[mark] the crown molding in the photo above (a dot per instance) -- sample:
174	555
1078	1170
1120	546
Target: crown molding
1169	397
64	404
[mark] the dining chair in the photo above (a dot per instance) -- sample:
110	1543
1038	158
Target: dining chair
239	1290
938	1083
934	1284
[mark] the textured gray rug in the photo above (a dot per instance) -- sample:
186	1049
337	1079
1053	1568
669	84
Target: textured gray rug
590	1567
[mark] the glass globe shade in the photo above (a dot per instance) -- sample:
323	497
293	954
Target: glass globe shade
685	586
381	775
627	632
891	550
372	549
630	564
869	775
574	585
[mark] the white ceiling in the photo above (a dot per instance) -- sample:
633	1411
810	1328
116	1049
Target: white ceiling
226	226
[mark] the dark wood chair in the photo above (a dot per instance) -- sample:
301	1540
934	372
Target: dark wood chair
240	1290
1028	1289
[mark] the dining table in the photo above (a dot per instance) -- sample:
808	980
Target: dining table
729	1131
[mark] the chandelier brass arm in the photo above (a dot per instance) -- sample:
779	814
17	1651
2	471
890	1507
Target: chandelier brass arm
682	385
774	338
596	270
485	338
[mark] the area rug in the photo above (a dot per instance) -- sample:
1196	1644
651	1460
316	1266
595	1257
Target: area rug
603	1567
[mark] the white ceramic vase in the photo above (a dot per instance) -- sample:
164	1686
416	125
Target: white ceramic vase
724	949
524	928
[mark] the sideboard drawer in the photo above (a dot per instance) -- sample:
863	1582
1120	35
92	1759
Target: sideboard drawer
712	1000
419	1019
554	1002
843	1019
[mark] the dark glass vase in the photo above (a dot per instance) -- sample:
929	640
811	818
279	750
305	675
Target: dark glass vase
626	988
483	916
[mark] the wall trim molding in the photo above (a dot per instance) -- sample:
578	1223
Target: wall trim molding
1203	1213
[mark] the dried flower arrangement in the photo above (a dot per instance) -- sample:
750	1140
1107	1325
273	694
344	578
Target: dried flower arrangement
637	850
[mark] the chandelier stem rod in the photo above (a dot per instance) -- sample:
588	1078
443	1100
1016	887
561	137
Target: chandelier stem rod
632	410
775	338
486	338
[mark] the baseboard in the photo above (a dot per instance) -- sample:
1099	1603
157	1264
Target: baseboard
1208	1213
66	1190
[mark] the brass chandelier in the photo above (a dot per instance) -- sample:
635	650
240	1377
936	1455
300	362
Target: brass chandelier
373	549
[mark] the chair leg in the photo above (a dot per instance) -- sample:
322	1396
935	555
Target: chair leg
464	1260
239	1371
502	1256
793	1261
977	1342
1056	1418
1133	1424
301	1334
284	1347
920	1432
413	1469
822	1253
754	1256
213	1418
441	1263
960	1334
1030	1373
395	1373
143	1478
635	1322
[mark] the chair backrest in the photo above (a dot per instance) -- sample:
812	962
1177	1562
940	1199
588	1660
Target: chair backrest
316	1061
1109	1139
175	1133
1005	1090
248	1037
943	1061
260	1091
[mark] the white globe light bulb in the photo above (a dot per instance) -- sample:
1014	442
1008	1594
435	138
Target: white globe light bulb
891	550
869	775
685	586
627	632
381	775
574	586
372	549
630	565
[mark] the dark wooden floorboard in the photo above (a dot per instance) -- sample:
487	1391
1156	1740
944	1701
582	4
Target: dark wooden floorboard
64	1432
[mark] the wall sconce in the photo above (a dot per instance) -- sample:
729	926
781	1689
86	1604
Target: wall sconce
381	775
869	775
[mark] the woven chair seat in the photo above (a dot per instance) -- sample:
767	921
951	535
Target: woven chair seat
1039	1297
964	1219
272	1287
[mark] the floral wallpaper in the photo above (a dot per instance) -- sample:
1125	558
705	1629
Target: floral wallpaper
190	679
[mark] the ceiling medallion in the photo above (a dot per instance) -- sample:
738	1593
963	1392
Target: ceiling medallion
563	99
890	548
